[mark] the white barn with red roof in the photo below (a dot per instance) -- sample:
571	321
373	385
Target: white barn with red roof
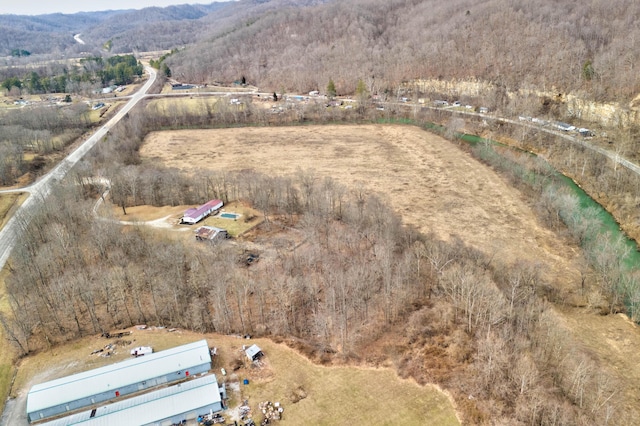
195	215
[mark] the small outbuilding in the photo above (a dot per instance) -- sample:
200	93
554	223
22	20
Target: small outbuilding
253	352
585	132
195	215
210	233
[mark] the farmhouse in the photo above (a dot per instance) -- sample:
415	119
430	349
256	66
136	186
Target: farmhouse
195	215
112	381
171	405
210	233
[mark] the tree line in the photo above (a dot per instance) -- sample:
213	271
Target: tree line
40	130
119	70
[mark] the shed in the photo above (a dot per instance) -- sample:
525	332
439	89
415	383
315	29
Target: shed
180	86
585	132
253	352
210	233
112	381
195	215
170	405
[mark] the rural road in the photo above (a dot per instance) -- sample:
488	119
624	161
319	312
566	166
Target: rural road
613	156
40	190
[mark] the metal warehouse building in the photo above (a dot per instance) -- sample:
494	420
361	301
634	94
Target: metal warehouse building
90	387
166	406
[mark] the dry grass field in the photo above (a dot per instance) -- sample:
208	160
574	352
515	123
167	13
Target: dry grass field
147	213
342	395
8	204
434	186
334	395
165	105
428	180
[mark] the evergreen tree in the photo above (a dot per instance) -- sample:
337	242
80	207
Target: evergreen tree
331	89
165	70
587	70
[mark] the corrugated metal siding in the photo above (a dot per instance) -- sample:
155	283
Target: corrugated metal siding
173	403
116	377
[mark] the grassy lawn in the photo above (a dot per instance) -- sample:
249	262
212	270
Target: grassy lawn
234	227
343	395
29	156
249	217
193	105
146	213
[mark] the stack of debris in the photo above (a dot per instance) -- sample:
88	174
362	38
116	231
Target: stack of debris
245	414
105	351
210	419
271	411
116	334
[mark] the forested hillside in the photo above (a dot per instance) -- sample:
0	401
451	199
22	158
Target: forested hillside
153	28
150	28
565	46
300	44
45	33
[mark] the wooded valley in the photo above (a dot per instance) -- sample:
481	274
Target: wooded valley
467	321
342	276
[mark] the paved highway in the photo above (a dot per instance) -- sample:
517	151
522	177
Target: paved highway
613	156
40	190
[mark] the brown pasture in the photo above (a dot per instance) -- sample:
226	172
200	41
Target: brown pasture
432	184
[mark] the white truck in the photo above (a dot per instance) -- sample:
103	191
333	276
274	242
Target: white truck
141	350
